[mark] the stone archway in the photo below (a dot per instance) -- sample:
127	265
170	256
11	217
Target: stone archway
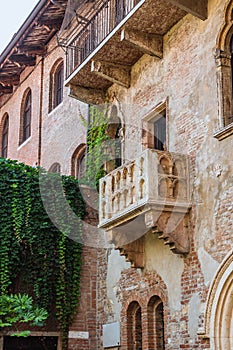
219	309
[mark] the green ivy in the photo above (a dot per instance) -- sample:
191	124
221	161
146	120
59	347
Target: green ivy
97	142
37	258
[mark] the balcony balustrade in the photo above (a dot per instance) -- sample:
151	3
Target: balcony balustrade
149	193
118	33
108	16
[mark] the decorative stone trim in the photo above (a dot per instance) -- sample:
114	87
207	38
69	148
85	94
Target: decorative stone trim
215	302
224	132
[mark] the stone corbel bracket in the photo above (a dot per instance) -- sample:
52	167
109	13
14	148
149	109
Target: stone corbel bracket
172	227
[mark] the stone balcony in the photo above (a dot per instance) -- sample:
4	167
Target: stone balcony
150	193
116	36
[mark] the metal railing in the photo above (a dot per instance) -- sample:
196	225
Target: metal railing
108	16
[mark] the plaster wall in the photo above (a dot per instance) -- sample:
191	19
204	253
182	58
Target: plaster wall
186	79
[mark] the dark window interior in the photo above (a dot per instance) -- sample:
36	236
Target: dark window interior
5	137
58	86
231	48
30	343
27	118
160	131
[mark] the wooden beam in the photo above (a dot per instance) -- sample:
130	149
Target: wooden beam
198	8
23	59
87	95
9	79
118	74
152	44
50	22
8	89
32	50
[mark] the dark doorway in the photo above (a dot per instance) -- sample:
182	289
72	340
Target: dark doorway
30	343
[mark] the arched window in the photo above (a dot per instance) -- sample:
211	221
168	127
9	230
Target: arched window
134	326
224	67
5	131
78	166
55	168
156	324
26	113
56	85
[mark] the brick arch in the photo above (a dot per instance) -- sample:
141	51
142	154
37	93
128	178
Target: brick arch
155	323
134	326
141	289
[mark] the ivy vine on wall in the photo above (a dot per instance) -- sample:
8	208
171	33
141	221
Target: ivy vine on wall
102	147
35	256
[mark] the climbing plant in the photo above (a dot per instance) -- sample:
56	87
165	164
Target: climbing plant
39	256
97	144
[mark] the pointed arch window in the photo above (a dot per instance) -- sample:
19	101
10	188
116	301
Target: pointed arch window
5	131
224	68
78	166
55	168
26	114
56	85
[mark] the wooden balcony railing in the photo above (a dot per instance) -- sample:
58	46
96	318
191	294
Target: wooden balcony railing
107	17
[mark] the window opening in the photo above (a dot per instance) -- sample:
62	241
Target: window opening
134	325
160	131
5	131
27	117
55	168
58	85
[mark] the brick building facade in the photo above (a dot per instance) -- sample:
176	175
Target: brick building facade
162	279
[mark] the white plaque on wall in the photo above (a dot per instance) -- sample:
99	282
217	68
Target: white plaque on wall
111	335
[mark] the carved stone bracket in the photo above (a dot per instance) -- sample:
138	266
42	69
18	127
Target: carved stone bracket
172	227
152	44
198	8
118	74
87	95
134	252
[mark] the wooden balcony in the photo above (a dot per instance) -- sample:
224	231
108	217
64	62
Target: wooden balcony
151	193
114	39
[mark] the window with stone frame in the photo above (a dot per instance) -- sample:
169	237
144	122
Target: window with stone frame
4	135
56	85
78	162
224	67
154	128
25	118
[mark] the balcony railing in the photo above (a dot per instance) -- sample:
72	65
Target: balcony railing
108	16
156	179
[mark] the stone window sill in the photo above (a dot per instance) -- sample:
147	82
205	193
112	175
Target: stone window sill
24	143
224	132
